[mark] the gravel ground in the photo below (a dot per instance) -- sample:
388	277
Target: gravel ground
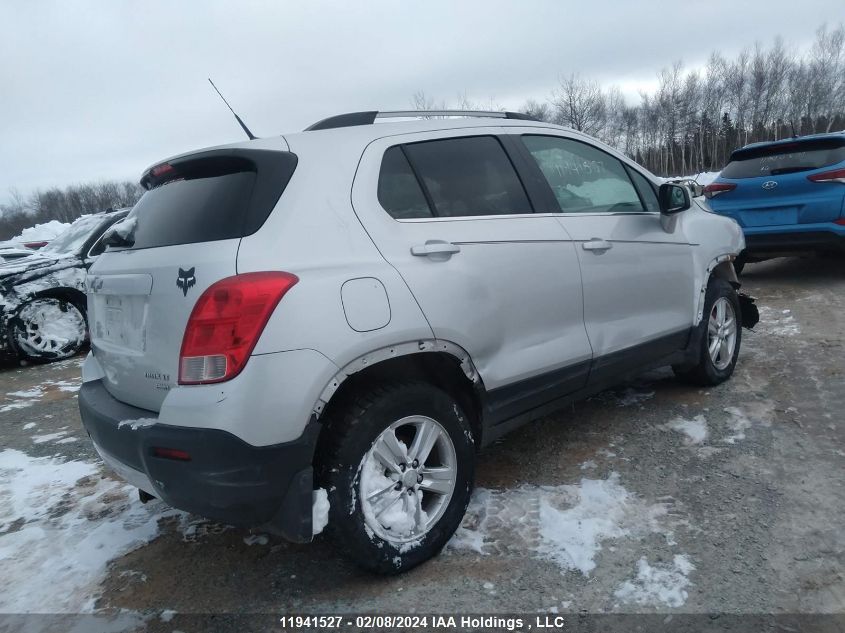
728	500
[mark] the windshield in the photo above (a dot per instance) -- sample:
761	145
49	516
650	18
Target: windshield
74	236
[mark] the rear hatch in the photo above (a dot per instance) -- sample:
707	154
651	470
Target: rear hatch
181	237
772	185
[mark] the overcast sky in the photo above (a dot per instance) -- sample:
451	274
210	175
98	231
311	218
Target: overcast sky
99	90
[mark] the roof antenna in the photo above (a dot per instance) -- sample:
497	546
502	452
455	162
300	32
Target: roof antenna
241	123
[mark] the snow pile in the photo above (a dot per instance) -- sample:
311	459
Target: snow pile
320	511
695	430
563	524
60	524
704	178
660	584
41	232
123	229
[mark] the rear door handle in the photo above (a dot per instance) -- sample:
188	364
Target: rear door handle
436	248
597	244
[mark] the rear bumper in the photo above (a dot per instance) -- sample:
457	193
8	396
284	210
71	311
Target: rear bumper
794	239
225	480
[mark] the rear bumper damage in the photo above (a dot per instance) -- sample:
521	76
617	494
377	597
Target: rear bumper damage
208	472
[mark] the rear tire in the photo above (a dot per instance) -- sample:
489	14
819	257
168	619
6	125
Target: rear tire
394	505
47	329
720	333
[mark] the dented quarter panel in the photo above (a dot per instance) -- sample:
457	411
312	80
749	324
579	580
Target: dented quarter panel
716	240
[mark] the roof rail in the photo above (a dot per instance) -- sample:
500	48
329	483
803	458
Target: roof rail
369	117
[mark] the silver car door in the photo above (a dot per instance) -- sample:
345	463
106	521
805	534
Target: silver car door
451	215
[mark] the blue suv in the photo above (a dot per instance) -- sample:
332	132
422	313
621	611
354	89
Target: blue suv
788	196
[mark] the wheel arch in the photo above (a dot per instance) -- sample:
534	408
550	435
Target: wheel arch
722	268
441	363
73	295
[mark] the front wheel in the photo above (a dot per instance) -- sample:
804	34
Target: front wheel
398	464
47	329
720	333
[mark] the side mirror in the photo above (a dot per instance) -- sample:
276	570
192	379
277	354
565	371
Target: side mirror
673	198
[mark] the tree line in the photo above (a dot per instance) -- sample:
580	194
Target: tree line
695	118
64	204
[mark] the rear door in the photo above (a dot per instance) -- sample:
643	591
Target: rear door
449	212
638	277
182	236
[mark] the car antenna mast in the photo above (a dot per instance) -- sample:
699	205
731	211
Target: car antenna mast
240	122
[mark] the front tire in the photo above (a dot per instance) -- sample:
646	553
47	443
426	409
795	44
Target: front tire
720	334
47	329
398	463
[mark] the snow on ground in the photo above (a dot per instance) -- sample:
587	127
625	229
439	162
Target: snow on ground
659	584
566	524
26	398
695	430
777	322
61	522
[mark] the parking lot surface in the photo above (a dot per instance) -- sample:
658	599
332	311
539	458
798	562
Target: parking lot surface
653	497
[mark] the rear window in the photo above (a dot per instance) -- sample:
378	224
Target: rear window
773	160
209	197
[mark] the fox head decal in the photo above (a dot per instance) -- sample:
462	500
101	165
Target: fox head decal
185	280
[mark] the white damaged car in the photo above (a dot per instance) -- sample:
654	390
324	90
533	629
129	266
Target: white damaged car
43	312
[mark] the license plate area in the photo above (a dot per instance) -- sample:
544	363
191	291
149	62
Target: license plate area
770	217
120	321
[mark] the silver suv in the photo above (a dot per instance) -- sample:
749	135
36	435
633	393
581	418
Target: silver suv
355	310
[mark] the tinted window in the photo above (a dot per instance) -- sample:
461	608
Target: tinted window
584	179
468	176
399	191
195	210
209	197
645	189
773	160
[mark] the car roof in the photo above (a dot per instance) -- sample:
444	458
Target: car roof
362	135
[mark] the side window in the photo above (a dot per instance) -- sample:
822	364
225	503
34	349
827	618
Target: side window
583	178
646	190
468	176
399	191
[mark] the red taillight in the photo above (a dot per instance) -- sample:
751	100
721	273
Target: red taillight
717	188
840	221
226	323
171	453
837	175
35	244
